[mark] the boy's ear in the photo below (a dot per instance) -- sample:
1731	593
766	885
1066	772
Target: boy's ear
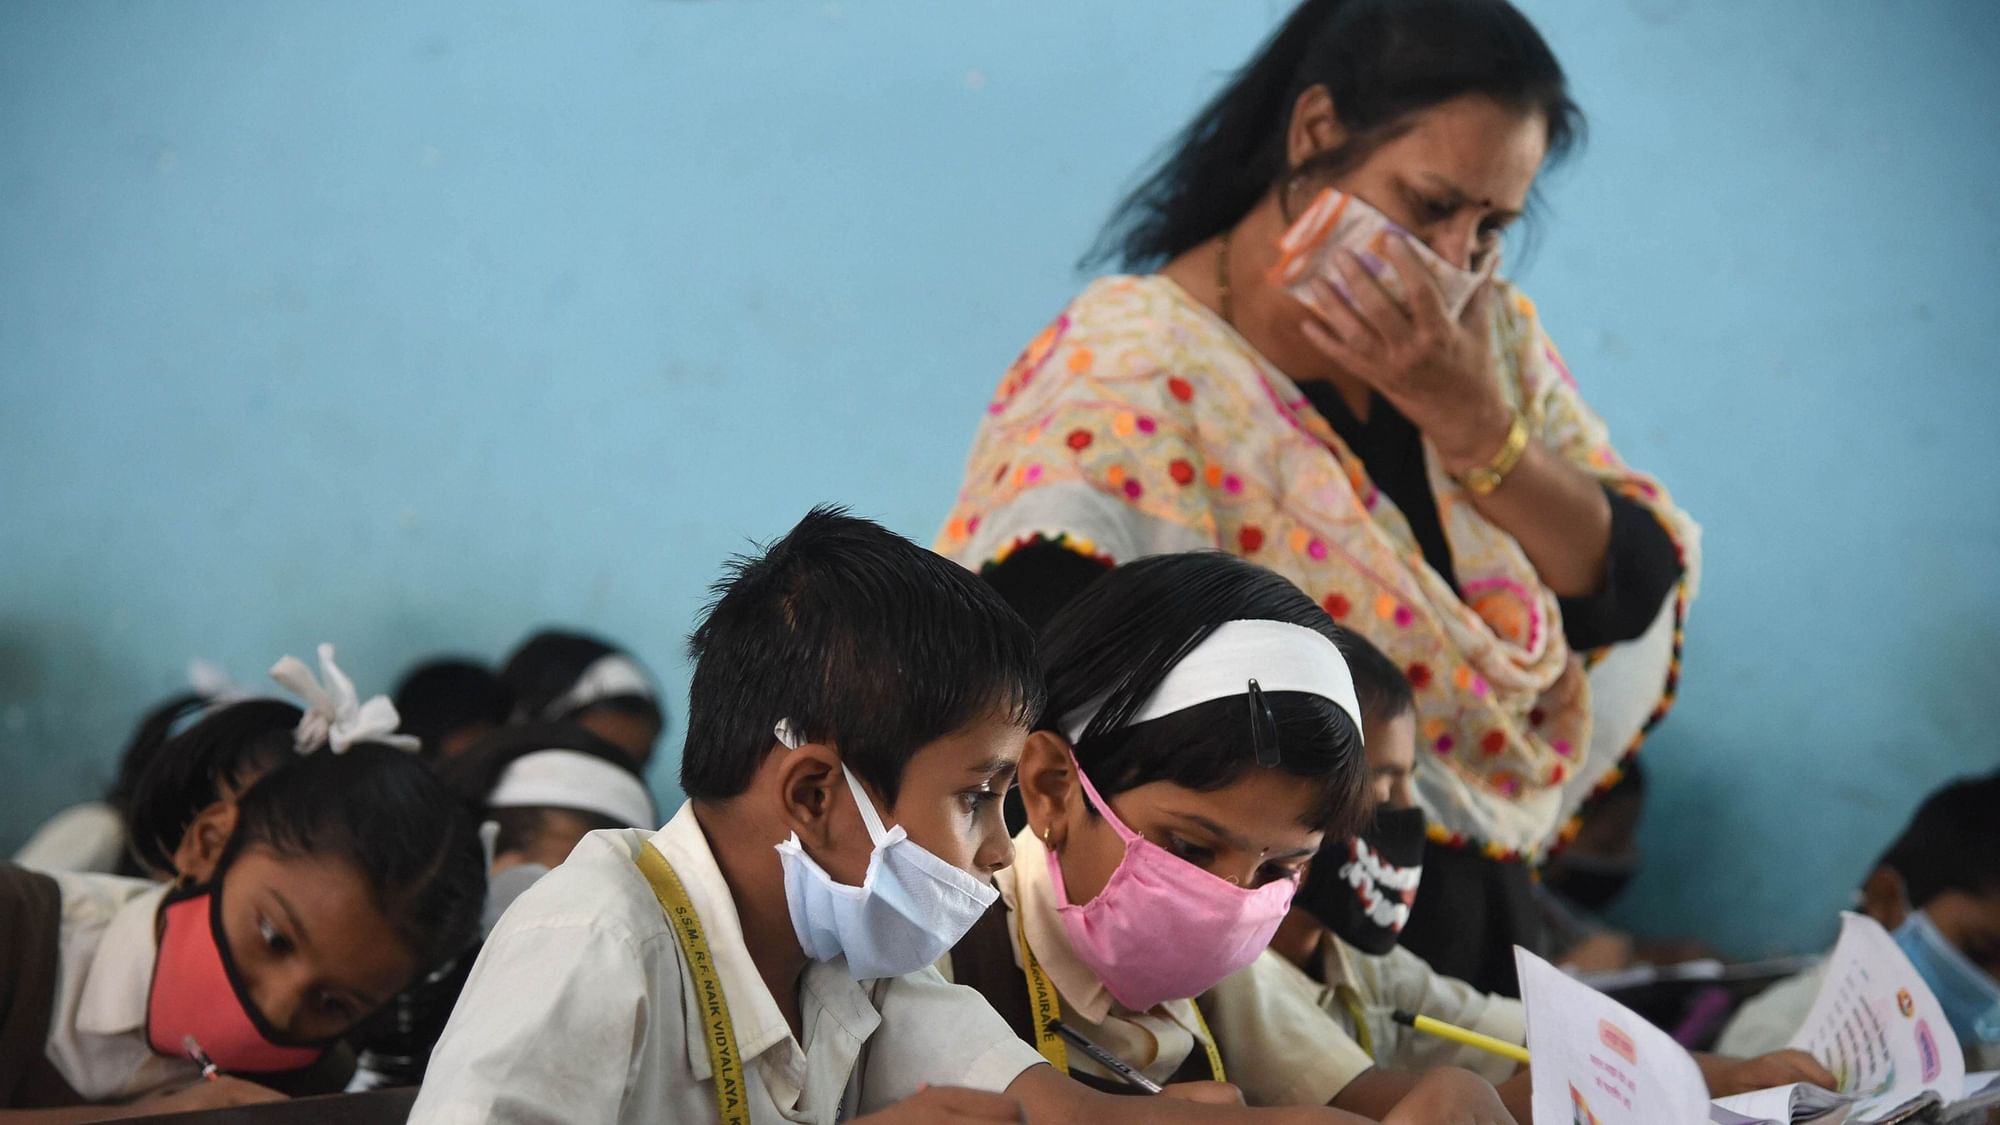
1049	790
1884	896
809	779
202	844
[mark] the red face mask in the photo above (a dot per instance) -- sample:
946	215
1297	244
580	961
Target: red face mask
197	992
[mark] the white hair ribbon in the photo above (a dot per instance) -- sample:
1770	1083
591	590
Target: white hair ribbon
568	779
611	676
208	680
1278	655
335	716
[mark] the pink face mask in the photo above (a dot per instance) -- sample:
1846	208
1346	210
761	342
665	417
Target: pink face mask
196	992
1216	927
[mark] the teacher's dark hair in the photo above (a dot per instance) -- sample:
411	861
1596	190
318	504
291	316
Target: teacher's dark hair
1382	62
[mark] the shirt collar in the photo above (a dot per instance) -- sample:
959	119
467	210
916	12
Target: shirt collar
758	1022
118	984
1335	969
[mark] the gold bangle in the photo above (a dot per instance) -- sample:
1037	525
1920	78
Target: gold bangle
1484	479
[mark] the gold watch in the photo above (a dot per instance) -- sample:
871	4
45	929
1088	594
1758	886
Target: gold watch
1484	479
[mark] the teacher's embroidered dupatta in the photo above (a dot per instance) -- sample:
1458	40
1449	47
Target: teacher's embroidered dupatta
1140	423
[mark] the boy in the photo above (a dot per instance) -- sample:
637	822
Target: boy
1937	889
1336	950
844	680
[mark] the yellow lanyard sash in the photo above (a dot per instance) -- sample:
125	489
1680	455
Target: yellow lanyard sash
1046	1006
730	1100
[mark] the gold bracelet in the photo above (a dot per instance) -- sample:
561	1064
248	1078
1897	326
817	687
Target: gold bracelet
1484	479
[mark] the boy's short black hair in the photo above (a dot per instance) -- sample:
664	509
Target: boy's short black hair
1382	689
1952	843
859	637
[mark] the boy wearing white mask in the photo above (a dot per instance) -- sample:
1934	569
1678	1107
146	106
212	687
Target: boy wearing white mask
858	708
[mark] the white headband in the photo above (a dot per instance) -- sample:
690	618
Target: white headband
567	779
335	716
609	677
1278	655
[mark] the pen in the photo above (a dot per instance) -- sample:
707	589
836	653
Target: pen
209	1070
1457	1034
1104	1058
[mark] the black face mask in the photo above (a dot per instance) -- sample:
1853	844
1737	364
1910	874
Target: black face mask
1362	888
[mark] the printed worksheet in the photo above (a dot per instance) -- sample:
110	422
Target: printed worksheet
1877	1026
1597	1063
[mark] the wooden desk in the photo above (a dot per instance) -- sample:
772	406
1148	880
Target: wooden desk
377	1107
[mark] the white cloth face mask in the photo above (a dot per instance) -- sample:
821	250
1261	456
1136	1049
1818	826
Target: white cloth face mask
910	908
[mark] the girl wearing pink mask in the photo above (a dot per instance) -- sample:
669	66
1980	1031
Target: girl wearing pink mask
294	910
1201	739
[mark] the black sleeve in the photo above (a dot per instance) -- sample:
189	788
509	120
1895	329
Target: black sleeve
1641	568
1040	578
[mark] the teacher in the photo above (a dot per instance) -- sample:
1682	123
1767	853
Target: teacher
1436	481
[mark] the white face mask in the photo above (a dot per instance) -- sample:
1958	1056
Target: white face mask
910	908
504	888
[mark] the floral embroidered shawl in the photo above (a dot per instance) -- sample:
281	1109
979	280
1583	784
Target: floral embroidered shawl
1140	423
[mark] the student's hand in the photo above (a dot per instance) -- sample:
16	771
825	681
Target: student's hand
950	1105
1601	952
1450	1096
1207	1093
1779	1068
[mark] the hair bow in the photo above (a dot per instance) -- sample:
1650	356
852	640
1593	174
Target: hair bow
335	716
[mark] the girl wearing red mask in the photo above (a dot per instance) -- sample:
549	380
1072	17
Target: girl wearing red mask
1201	739
295	909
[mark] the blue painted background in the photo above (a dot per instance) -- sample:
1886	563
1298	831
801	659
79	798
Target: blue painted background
413	326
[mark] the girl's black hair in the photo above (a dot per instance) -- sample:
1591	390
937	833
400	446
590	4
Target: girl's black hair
227	749
155	727
1382	61
1113	645
548	665
449	694
383	811
473	775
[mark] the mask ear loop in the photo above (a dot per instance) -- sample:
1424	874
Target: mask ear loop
788	736
1263	728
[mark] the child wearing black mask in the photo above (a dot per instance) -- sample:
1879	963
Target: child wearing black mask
1337	949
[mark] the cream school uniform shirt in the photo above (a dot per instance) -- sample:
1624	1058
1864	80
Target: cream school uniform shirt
104	974
581	1009
1158	1041
85	837
1354	1002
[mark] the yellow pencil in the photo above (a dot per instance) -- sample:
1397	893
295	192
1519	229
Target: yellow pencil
1457	1034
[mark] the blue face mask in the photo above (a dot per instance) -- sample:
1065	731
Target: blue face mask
1970	998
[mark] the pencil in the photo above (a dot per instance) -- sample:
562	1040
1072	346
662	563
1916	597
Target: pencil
208	1068
1458	1034
1104	1058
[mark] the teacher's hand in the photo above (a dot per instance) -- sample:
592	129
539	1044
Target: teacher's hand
1437	372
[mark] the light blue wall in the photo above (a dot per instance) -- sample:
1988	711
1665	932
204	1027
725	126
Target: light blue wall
411	326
